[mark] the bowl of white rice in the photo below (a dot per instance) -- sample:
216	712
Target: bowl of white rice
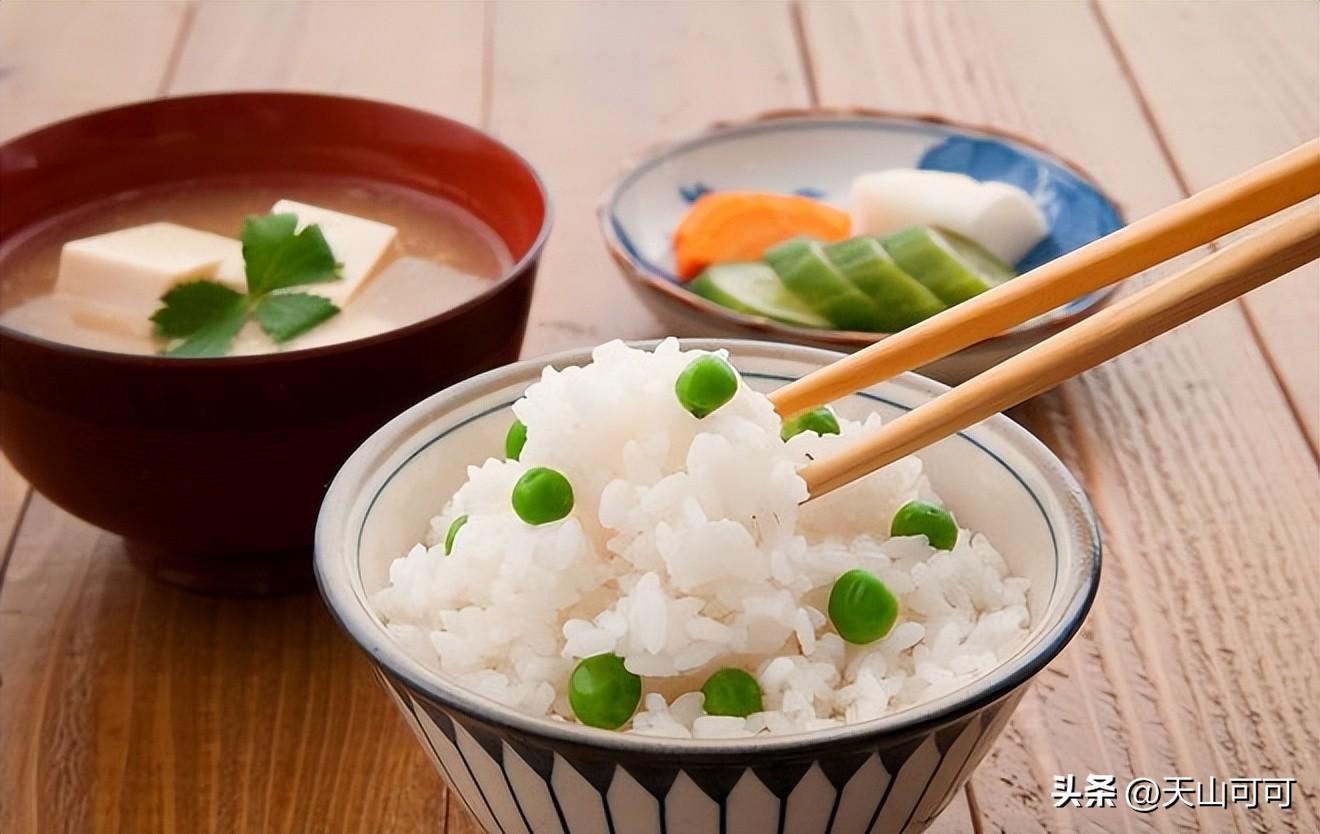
620	616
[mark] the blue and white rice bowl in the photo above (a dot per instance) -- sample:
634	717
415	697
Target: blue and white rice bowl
522	773
817	153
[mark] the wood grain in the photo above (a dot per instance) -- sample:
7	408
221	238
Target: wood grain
580	100
147	709
1194	660
1242	86
426	55
57	60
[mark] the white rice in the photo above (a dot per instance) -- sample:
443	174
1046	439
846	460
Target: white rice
687	551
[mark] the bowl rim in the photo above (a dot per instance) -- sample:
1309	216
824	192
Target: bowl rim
497	285
340	587
846	339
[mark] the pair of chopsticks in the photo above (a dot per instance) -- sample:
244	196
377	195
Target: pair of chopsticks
1221	277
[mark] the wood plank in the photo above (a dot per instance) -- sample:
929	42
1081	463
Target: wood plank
426	55
1241	87
1193	660
56	62
956	819
580	101
131	706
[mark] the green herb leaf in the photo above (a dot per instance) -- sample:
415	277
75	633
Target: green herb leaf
214	338
207	315
277	256
193	305
285	316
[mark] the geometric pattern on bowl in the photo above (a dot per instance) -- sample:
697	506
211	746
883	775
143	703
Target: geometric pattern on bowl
882	785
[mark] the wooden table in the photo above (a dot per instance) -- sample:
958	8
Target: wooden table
129	706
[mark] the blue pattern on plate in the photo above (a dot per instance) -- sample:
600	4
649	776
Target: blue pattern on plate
1076	212
693	191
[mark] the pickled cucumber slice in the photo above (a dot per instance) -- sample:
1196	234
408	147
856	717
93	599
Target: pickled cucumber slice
802	266
902	299
754	288
985	262
952	267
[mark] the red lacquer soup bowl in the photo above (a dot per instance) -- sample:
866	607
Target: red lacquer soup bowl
213	469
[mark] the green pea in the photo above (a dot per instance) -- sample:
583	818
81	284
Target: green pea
542	495
918	518
603	693
820	420
515	440
861	607
707	383
454	527
732	692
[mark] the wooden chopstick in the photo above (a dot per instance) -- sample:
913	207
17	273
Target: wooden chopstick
1195	221
1215	280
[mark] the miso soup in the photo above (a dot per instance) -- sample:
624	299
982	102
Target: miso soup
96	277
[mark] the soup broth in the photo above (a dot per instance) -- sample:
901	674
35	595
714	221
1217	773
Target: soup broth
441	257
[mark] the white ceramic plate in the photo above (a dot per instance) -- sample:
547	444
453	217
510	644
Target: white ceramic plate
817	153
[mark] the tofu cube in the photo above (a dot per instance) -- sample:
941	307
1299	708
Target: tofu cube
59	318
232	271
124	273
129	270
93	315
411	289
357	243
